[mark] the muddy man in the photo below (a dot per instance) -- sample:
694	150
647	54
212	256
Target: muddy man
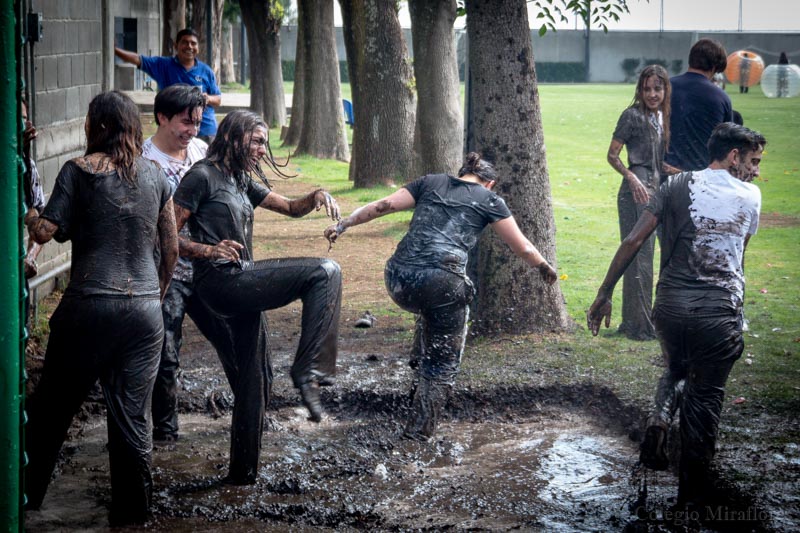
707	218
427	273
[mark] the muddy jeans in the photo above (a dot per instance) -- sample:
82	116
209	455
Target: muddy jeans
700	348
441	301
179	301
240	295
637	283
117	340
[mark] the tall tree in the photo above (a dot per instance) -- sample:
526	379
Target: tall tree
439	132
384	103
262	19
505	125
292	134
230	16
199	23
174	15
322	133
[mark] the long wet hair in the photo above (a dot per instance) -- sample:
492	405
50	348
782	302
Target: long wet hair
473	164
666	106
114	129
230	149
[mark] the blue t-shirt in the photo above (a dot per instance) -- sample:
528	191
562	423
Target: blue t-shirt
698	106
169	71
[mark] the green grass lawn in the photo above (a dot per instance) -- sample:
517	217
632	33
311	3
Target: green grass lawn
578	121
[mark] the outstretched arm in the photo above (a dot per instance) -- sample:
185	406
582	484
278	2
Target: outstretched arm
601	308
397	201
168	236
302	206
508	230
128	57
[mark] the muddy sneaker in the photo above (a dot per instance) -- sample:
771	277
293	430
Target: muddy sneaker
164	437
309	392
367	320
653	452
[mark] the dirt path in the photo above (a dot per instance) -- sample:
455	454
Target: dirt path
522	449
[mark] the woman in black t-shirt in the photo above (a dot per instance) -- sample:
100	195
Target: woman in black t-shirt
116	209
427	273
217	199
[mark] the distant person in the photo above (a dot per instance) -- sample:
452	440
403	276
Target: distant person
698	106
427	276
783	59
184	67
744	73
783	76
737	118
707	218
643	129
115	207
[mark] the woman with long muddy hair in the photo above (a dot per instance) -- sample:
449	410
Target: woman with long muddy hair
115	207
427	275
643	129
217	199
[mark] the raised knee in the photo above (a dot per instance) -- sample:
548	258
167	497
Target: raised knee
331	268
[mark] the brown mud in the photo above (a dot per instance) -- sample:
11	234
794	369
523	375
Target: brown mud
528	448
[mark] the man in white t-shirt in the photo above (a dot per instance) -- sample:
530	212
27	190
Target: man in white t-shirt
178	111
707	218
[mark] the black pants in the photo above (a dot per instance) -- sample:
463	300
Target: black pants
441	301
700	349
240	295
637	283
179	301
117	340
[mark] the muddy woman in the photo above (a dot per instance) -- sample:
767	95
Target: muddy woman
427	273
217	198
707	218
115	207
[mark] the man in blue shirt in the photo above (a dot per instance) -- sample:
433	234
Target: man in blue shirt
184	67
698	106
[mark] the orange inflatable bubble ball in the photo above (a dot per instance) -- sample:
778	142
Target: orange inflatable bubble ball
744	68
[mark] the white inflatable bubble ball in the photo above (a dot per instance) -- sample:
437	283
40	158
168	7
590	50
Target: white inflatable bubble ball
781	81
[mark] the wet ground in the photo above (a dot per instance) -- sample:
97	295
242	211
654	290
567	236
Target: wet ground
541	457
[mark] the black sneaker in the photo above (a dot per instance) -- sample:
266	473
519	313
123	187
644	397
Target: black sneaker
309	392
653	451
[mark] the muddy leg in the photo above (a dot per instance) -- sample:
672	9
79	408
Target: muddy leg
417	354
430	398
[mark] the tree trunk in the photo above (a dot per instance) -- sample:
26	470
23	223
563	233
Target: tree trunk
227	73
323	134
174	21
505	125
438	137
383	134
264	47
199	19
292	135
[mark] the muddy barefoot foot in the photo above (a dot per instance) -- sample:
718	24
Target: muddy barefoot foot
309	392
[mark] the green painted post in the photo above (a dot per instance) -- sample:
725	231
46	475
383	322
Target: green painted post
11	333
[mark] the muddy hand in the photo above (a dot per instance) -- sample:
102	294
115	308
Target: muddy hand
331	235
322	198
548	273
226	250
594	316
640	195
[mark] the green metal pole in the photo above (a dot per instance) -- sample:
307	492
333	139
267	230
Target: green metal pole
11	339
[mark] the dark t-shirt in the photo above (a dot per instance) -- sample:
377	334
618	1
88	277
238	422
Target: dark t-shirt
448	218
698	106
644	144
705	218
112	226
221	209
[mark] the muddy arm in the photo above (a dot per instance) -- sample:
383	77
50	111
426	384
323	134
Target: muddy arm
300	207
168	237
639	191
225	250
508	230
397	201
601	308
